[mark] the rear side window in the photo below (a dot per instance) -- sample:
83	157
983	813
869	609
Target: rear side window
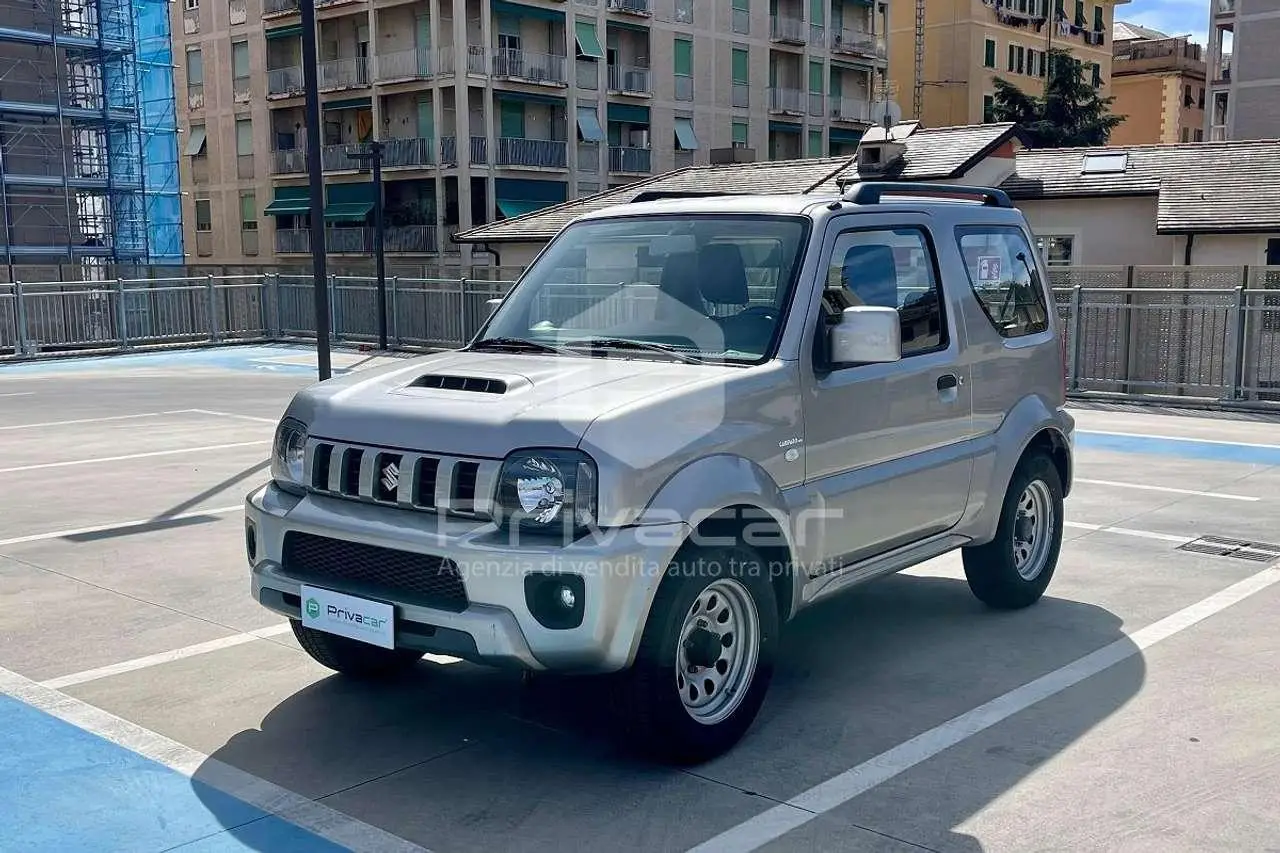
1002	272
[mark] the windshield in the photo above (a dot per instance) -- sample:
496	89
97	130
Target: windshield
714	287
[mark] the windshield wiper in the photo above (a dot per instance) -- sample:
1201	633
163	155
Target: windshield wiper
647	346
519	344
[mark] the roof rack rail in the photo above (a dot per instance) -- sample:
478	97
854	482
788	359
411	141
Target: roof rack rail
658	195
870	192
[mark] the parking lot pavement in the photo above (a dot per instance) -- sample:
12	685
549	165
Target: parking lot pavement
147	703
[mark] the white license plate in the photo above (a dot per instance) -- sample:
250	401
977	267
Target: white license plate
347	616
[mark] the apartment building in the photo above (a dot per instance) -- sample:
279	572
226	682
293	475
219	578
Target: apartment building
490	109
1159	85
1244	78
961	46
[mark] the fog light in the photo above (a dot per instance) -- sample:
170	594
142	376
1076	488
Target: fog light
556	600
567	598
251	542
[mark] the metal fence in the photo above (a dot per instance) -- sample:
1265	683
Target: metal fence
1204	333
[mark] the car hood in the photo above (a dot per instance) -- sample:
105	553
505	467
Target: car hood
490	403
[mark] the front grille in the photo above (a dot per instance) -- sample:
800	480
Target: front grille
401	575
408	480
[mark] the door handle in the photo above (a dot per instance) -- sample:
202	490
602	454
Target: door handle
947	381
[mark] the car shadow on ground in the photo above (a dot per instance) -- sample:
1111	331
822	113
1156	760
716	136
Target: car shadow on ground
462	757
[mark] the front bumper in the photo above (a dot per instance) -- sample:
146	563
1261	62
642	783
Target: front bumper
620	573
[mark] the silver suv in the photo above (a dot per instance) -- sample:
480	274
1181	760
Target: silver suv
689	420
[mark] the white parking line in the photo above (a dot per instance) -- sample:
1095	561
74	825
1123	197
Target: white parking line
118	525
1128	531
19	394
89	420
1169	489
165	657
128	456
799	810
339	828
234	415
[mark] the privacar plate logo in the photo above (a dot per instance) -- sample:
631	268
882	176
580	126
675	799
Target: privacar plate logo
313	608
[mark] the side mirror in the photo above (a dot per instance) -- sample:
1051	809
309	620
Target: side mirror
867	335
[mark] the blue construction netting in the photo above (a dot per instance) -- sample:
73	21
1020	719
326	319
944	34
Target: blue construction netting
158	125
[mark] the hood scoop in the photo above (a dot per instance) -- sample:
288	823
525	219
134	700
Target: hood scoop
447	382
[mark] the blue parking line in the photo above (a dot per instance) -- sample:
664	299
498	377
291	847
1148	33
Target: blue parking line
64	789
254	358
1189	448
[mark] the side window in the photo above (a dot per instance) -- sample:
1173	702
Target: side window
892	268
1002	272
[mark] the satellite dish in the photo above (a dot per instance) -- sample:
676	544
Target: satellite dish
886	113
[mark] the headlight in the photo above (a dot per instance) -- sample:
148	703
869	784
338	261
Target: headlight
288	455
547	490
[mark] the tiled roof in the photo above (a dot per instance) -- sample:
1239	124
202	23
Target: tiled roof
1201	186
931	154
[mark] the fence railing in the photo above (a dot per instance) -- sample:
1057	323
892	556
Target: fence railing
1182	333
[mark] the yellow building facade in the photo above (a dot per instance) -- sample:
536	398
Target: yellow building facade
1159	85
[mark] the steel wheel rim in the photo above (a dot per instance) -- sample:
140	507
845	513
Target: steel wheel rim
711	693
1033	529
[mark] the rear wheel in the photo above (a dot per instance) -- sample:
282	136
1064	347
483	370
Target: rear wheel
352	657
1014	569
706	657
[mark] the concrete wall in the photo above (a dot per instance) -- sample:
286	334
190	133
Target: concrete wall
1230	249
1106	231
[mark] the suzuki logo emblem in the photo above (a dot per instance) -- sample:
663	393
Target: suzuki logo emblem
391	477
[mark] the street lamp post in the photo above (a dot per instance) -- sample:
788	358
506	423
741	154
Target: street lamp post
373	155
319	272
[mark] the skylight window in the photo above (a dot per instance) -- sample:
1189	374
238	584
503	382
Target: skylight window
1104	164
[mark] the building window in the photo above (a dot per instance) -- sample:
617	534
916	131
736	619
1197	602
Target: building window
1009	290
1013	55
1200	98
741	17
1020	65
1186	135
739	134
1080	13
684	11
815	143
204	215
248	212
240	69
1097	19
741	77
988	109
1199	134
683	59
989	54
1097	75
1058	250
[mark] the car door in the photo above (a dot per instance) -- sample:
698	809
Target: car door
886	443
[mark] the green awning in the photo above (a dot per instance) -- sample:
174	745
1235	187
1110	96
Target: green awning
863	67
530	98
628	113
627	25
359	192
511	208
347	211
589	125
284	32
783	127
348	104
848	137
519	10
588	40
686	139
289	201
195	142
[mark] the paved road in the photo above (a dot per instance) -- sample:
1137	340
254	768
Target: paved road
147	703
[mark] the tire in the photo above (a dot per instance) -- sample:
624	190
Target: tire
1014	569
728	586
352	657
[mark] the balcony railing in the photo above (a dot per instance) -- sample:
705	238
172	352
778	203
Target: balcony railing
629	80
858	42
350	241
479	150
630	7
411	238
448	151
534	153
787	30
792	101
817	34
285	82
413	151
684	88
850	110
343	73
406	65
636	160
279	7
529	67
476	63
336	158
288	161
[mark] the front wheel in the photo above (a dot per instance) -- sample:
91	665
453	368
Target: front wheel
1014	569
352	657
706	656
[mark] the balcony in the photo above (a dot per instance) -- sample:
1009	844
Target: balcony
1222	74
857	43
408	153
405	65
787	30
337	158
285	82
526	67
1224	7
349	73
640	8
288	161
329	4
629	80
448	151
532	153
479	150
1173	54
411	238
637	161
850	110
788	101
338	241
279	8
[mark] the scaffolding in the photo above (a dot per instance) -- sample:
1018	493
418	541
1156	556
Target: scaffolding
88	136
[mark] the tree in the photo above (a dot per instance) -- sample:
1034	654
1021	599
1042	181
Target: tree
1069	115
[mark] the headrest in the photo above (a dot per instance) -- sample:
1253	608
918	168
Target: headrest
722	275
680	279
872	273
